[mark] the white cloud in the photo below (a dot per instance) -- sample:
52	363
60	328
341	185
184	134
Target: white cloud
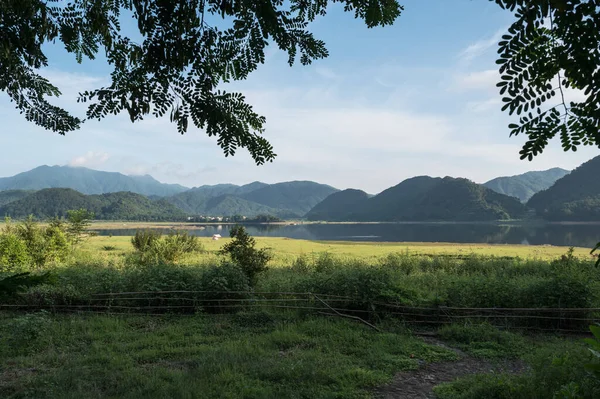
479	80
91	159
491	104
480	47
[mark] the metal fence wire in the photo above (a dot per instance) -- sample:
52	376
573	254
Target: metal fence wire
365	311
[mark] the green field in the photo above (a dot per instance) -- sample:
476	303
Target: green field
286	250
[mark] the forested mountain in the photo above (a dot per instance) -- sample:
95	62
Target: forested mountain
340	206
524	186
195	201
9	196
290	199
575	197
87	181
421	198
52	202
297	197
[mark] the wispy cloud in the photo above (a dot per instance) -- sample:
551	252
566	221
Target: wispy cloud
480	47
91	159
478	80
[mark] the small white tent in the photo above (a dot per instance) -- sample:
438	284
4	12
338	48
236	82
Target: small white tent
216	236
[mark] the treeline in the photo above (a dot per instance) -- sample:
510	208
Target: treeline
56	202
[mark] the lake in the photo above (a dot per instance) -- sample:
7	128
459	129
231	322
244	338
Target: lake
559	234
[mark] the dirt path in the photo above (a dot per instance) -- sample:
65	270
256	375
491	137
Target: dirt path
418	384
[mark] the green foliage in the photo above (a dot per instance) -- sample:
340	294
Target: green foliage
79	220
154	248
556	372
594	347
596	248
27	243
552	45
13	253
421	198
11	285
242	252
144	239
165	74
8	196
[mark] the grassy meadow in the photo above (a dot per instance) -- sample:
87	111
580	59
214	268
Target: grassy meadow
286	250
267	352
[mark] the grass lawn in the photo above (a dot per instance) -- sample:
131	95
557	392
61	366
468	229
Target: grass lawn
246	355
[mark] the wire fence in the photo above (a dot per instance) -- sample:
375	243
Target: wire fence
565	320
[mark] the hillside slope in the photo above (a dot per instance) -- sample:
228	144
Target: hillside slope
52	202
289	199
575	197
524	186
421	198
8	196
339	207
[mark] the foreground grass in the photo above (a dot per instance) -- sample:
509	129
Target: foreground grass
248	355
286	250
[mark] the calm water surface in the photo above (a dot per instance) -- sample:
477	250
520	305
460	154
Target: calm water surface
580	235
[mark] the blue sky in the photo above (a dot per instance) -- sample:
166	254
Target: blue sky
416	98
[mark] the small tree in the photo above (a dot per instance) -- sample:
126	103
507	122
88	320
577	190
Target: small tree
78	222
241	249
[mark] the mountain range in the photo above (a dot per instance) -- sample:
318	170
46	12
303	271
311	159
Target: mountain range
575	197
524	186
87	181
421	198
555	194
50	202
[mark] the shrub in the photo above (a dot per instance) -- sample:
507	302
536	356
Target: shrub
153	248
13	253
28	243
143	240
28	332
243	253
226	281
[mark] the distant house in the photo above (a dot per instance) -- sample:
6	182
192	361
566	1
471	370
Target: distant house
216	236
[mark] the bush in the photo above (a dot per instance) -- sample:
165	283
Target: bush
13	253
153	248
243	253
144	240
226	281
30	244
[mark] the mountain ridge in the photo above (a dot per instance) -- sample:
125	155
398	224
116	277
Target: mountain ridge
525	185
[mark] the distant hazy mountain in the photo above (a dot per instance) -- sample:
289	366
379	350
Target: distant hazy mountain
575	197
9	196
290	199
526	185
421	198
298	197
87	181
51	202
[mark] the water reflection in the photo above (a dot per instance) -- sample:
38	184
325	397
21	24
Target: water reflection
581	235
